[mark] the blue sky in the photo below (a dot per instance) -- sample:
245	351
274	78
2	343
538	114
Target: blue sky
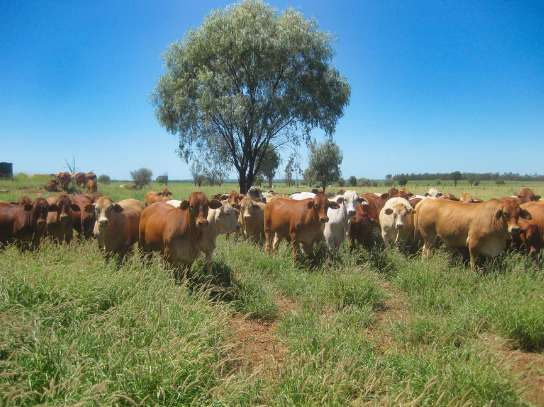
437	86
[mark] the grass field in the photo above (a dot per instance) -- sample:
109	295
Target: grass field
371	328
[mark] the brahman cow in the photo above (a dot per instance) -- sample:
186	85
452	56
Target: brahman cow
532	231
79	179
433	193
337	228
22	201
155	196
24	224
52	186
483	229
92	186
296	221
177	233
397	222
527	195
60	224
220	222
83	221
63	178
365	221
116	226
251	219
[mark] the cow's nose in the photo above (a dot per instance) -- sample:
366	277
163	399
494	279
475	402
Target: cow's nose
399	225
103	223
324	219
41	223
351	213
247	217
202	224
64	216
515	230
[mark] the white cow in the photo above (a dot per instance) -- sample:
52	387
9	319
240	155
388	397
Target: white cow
397	222
220	221
299	196
433	193
336	229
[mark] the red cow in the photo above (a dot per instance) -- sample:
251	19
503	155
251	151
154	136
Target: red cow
527	195
176	232
22	201
362	225
296	221
24	224
60	223
83	221
79	179
63	178
52	186
92	186
533	229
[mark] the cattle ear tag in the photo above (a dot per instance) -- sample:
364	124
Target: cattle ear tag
184	204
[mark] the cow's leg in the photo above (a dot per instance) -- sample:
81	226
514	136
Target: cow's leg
267	237
209	255
276	242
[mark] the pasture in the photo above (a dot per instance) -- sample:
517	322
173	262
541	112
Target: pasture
369	328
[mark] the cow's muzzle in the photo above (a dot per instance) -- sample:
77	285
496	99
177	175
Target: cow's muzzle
103	223
324	219
202	224
399	226
351	213
515	230
41	223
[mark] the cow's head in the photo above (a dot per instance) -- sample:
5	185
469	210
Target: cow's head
527	195
350	199
38	212
530	236
66	207
510	212
248	208
165	192
226	219
198	206
103	209
320	204
399	212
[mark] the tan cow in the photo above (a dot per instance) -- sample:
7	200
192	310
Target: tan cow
116	226
483	229
154	196
296	221
397	222
252	219
177	233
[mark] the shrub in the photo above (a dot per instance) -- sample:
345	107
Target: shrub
104	179
141	177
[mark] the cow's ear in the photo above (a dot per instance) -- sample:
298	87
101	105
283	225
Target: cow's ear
411	210
237	207
117	208
384	196
28	207
537	198
240	197
498	214
215	204
263	200
340	200
184	204
75	207
224	196
388	211
159	193
334	205
364	201
525	214
89	208
53	208
310	204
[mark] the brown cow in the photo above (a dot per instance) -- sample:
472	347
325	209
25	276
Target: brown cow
52	186
252	219
362	226
83	221
531	237
176	232
296	221
63	178
154	196
483	229
527	195
60	223
92	186
116	226
22	201
79	179
24	224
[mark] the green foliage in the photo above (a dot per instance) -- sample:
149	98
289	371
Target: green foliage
438	182
246	78
324	162
402	179
141	177
456	176
162	179
341	182
104	179
269	164
499	182
352	181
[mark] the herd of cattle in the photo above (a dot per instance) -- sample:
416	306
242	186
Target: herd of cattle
63	178
180	230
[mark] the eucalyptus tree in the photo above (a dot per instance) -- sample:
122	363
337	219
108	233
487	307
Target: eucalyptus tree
324	162
269	165
248	77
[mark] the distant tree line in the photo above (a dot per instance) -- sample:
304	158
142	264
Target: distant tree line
487	176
